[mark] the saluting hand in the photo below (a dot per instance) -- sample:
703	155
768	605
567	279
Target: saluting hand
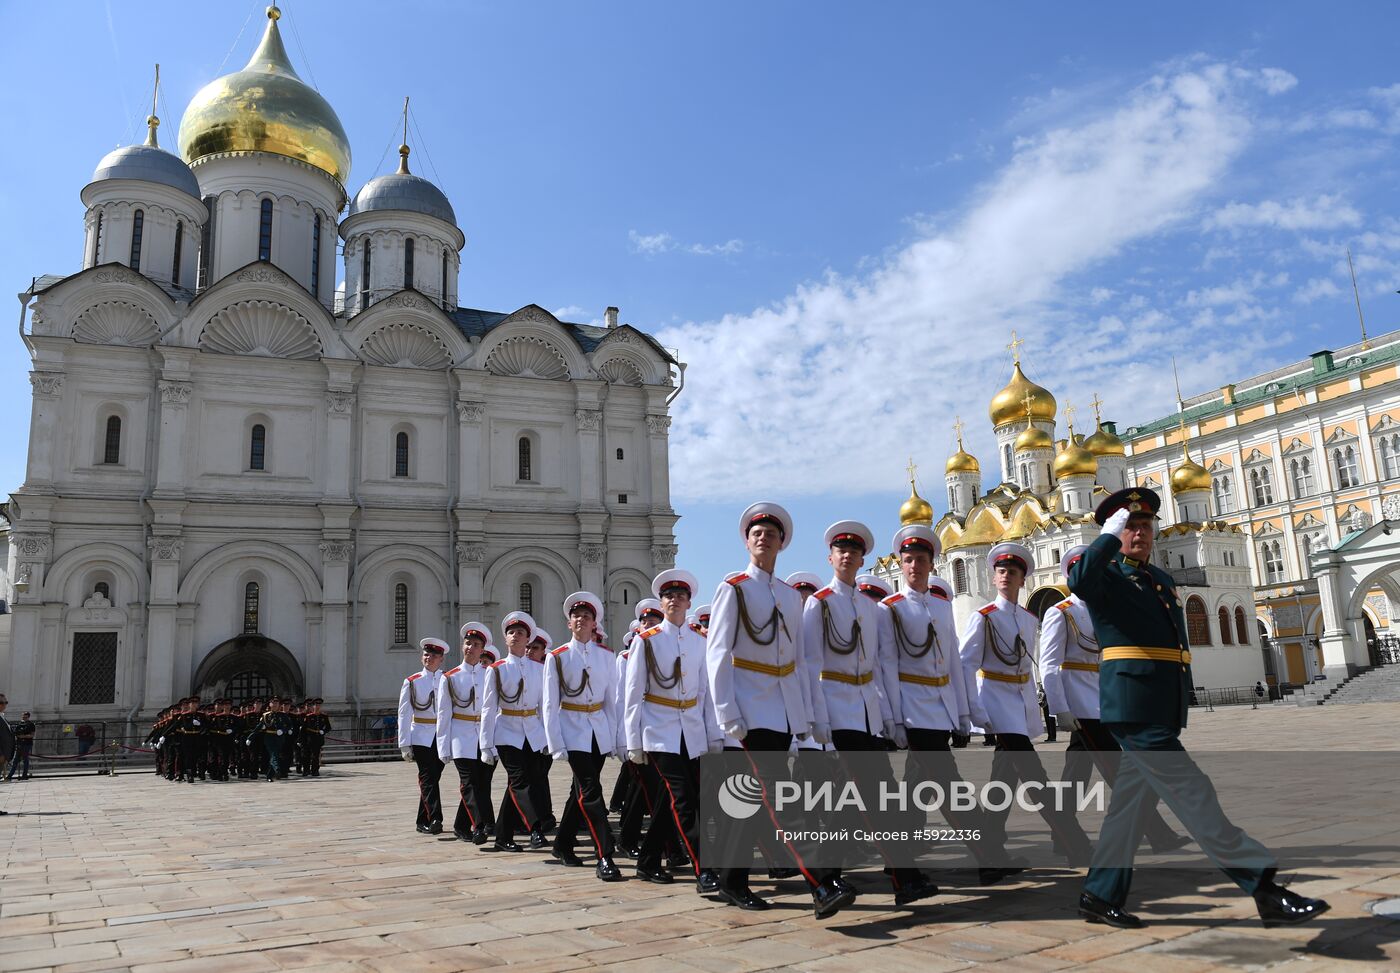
1115	524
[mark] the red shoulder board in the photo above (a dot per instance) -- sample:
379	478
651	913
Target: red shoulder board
938	593
1064	605
986	609
823	594
562	648
697	629
497	665
453	672
651	631
627	653
892	600
736	579
416	675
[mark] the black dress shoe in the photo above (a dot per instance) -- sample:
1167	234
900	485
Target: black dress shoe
1280	907
707	882
607	870
1176	841
435	828
506	846
1095	909
914	891
462	835
991	875
678	861
657	876
743	898
778	874
536	839
829	899
841	882
421	829
550	823
626	851
567	859
479	836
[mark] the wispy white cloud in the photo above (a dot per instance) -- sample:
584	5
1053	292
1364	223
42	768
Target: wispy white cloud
655	243
828	389
1316	287
1325	212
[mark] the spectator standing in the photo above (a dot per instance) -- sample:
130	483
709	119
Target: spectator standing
24	745
87	736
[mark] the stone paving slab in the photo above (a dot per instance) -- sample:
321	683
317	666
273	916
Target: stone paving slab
134	873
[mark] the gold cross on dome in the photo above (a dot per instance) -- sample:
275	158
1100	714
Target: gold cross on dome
1027	401
1015	347
1070	410
958	429
911	469
1096	402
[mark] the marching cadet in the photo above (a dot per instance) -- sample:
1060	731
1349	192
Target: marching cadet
580	713
669	724
543	762
845	662
418	733
1069	672
702	618
314	726
759	689
805	583
1143	695
924	681
486	770
998	652
872	587
512	731
625	783
223	730
189	731
459	731
274	725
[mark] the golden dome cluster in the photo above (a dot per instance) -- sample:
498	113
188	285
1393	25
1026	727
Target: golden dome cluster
916	510
962	462
266	107
1075	460
1033	438
1009	405
1104	443
1190	476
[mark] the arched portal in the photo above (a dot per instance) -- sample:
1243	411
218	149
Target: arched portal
247	666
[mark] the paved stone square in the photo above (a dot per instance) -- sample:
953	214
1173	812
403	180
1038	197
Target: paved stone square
137	873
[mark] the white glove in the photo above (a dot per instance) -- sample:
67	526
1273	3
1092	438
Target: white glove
160	742
195	723
637	756
738	729
560	755
279	733
407	753
488	756
1066	721
900	736
1115	524
821	732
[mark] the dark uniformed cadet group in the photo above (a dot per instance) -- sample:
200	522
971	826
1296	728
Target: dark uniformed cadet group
776	665
222	740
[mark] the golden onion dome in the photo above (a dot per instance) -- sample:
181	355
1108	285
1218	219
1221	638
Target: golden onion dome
1190	476
1075	460
962	462
1033	438
915	510
266	107
1104	443
1009	404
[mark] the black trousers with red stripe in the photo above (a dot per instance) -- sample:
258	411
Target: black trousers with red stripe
429	773
643	800
868	772
676	808
931	759
768	757
539	787
470	809
517	805
1016	761
585	805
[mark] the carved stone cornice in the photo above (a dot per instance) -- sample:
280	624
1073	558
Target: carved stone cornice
658	424
176	393
165	547
340	403
663	556
471	412
593	553
589	420
337	550
471	552
46	383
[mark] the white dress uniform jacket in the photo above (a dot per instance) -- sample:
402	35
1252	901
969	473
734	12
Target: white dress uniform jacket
657	717
1069	660
510	704
459	713
1006	704
580	698
924	683
418	710
620	680
760	682
843	662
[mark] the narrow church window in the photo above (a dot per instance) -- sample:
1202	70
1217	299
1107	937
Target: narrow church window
444	281
527	597
408	263
401	614
206	244
316	256
112	447
175	258
1300	470
1345	460
97	240
1224	499
952	499
619	452
622	498
257	448
265	231
102	588
1272	553
1390	456
1241	629
1224	618
1197	625
523	459
364	275
959	577
138	220
401	454
251	595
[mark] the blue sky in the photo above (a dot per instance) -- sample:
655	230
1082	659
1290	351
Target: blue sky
836	212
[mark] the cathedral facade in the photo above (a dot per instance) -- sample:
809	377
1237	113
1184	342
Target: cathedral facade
241	480
1049	484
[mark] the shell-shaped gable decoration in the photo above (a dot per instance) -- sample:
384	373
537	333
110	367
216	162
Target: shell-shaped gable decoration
620	371
262	329
528	357
405	346
115	323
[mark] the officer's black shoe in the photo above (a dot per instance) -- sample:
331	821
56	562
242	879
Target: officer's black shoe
991	875
566	858
707	882
421	828
828	898
506	846
626	851
778	874
315	773
657	876
435	828
914	891
607	870
1095	909
549	824
1280	907
462	835
1177	841
678	861
536	839
743	898
479	837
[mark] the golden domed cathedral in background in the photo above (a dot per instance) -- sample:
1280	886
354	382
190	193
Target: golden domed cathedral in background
1049	486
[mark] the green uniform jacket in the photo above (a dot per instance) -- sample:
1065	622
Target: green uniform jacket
1134	604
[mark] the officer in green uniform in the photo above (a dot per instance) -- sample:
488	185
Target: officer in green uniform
1144	689
314	725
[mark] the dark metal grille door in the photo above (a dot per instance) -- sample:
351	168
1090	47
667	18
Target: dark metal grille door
248	685
94	676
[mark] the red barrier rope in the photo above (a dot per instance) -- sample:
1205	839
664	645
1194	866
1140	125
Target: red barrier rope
73	756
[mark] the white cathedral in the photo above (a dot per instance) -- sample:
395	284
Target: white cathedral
241	481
